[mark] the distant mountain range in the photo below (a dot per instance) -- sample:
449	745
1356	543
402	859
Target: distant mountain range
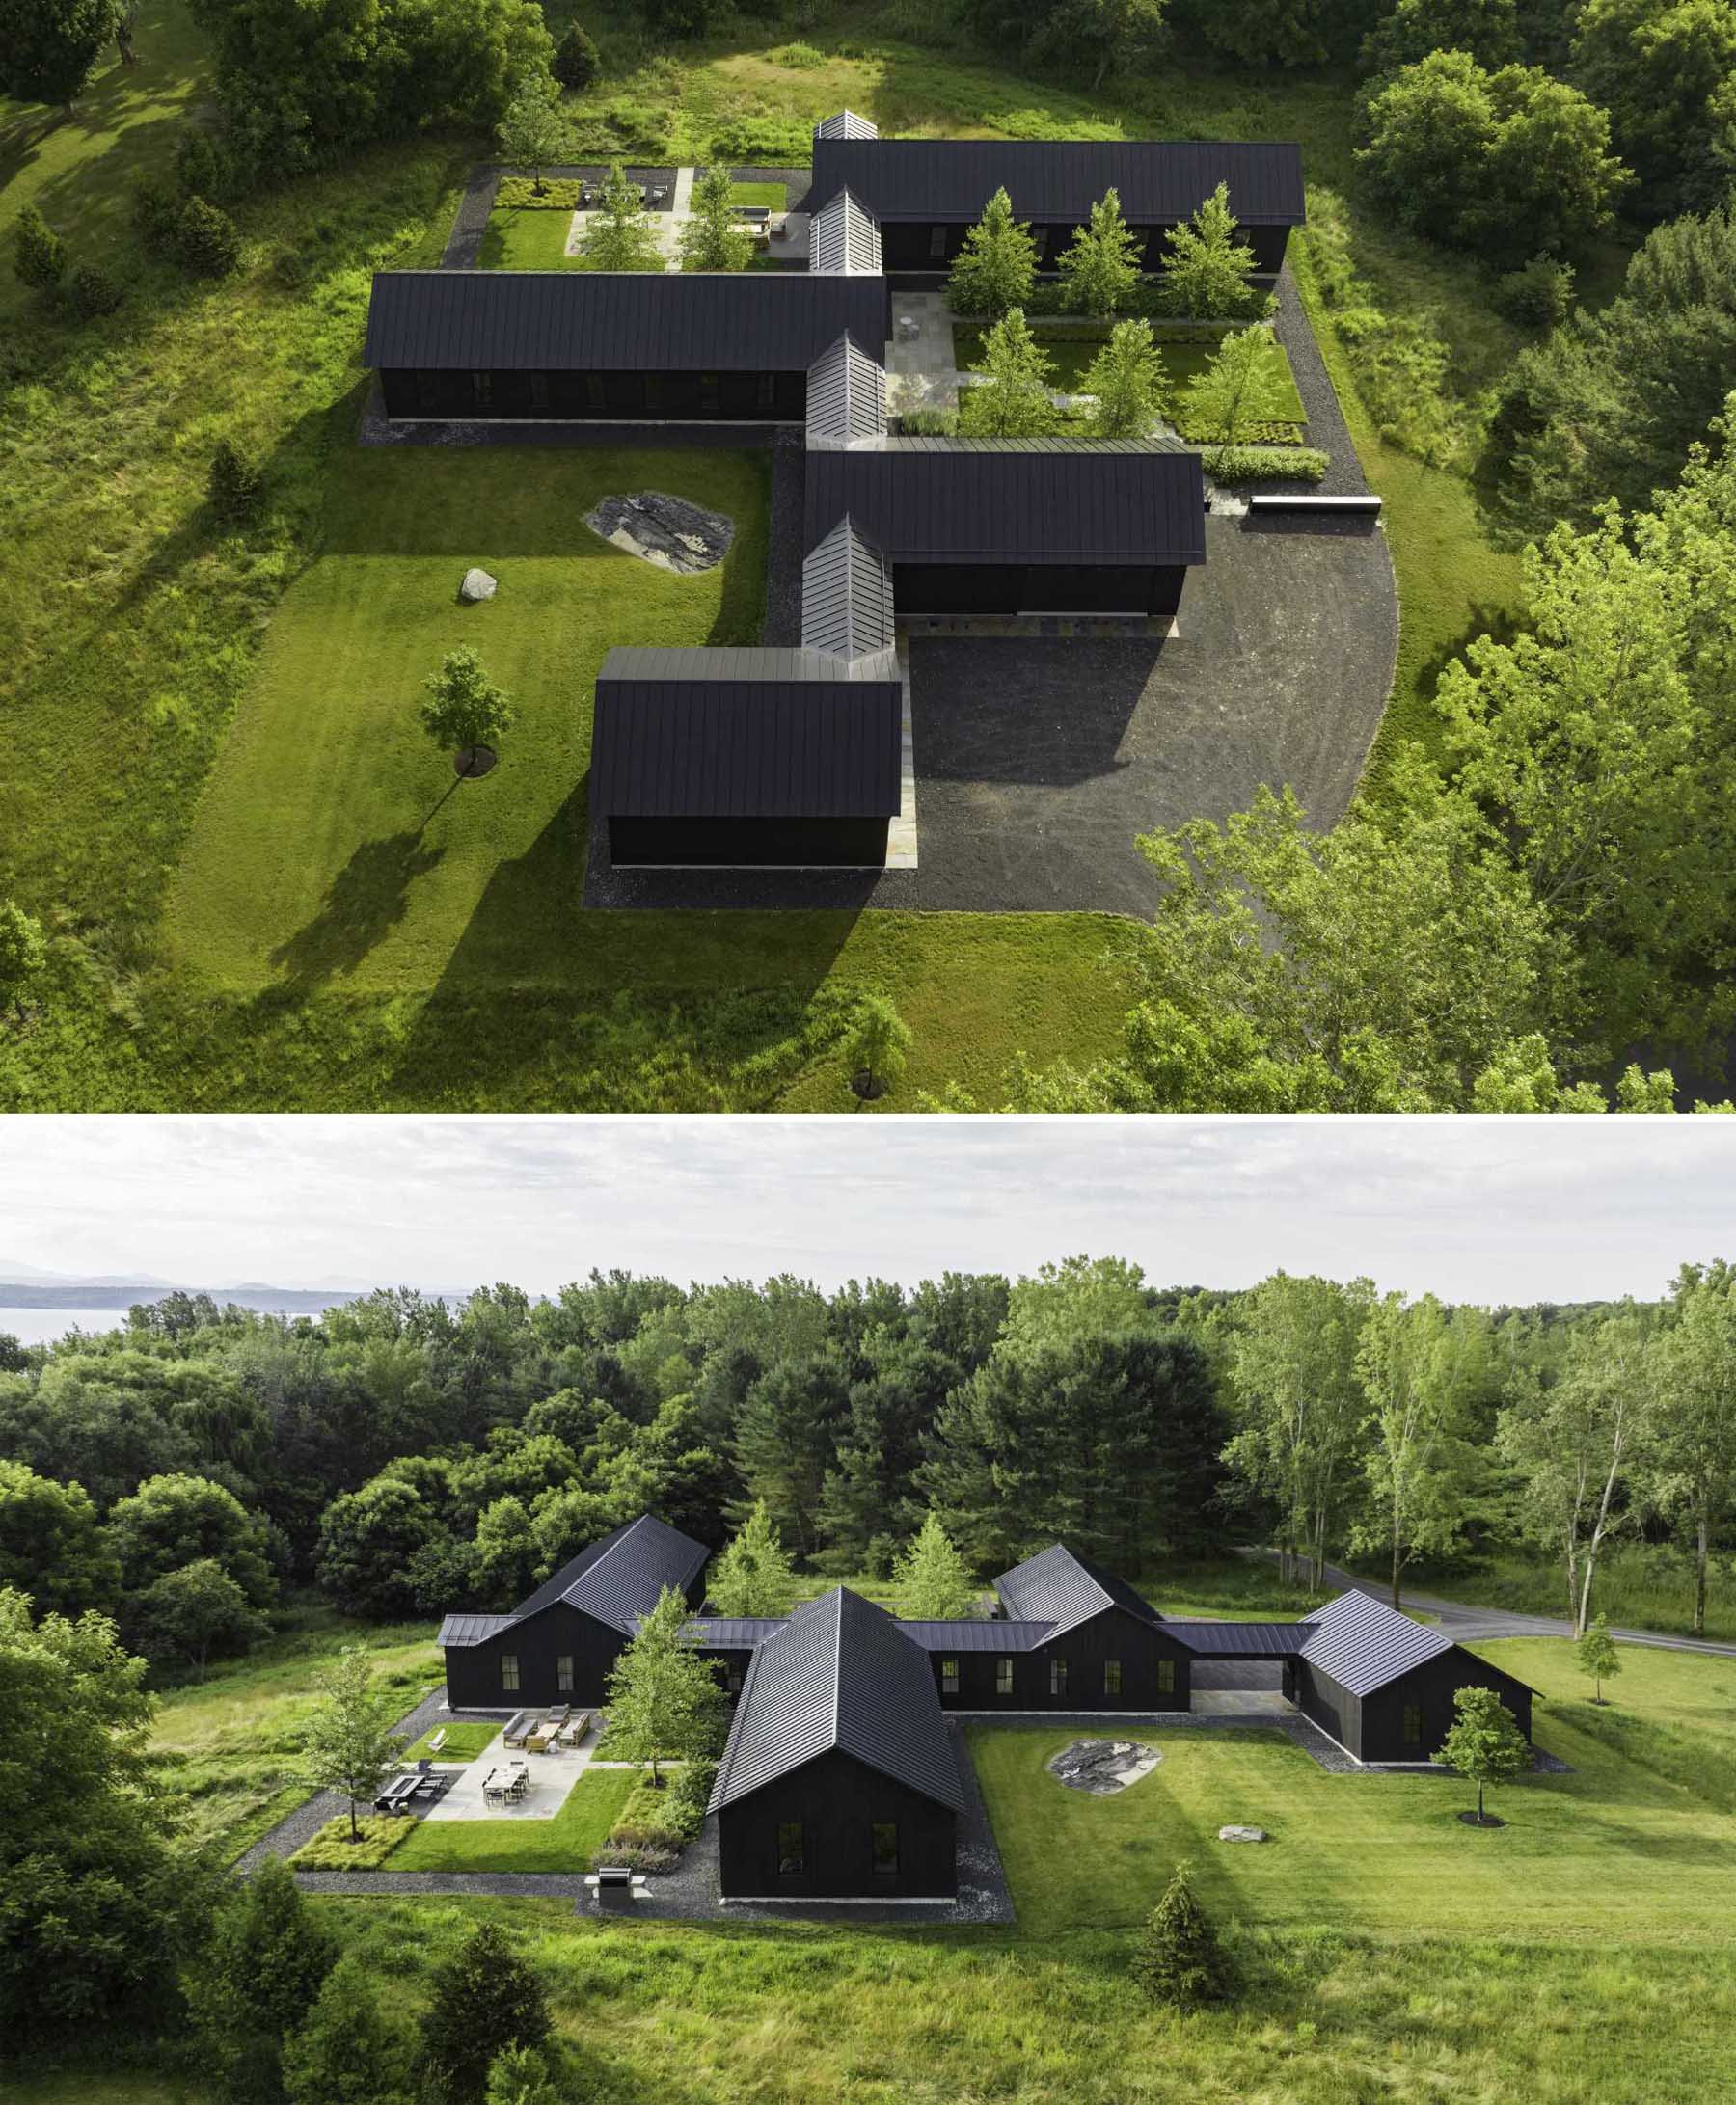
28	1287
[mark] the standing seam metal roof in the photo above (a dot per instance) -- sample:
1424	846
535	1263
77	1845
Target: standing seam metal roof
617	321
617	1579
1160	181
844	236
847	596
846	124
978	1633
954	501
846	398
1240	1640
838	1675
1363	1644
1069	1589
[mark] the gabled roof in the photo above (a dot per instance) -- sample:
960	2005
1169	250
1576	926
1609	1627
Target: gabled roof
617	1579
1160	181
846	124
844	236
617	321
1015	501
1067	1589
1363	1644
732	1632
1208	1640
978	1633
847	596
761	734
846	398
839	1675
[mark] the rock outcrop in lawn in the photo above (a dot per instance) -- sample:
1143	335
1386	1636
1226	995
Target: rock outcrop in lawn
662	529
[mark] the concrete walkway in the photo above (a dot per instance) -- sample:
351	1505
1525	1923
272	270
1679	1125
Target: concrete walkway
921	371
552	1777
1463	1620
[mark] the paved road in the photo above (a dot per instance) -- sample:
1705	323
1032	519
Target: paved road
1462	1620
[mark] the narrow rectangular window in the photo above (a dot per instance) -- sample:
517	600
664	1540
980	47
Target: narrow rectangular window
1112	1677
949	1677
427	389
482	388
768	390
885	1849
563	1673
593	390
732	1681
539	391
1003	1677
1057	1676
792	1852
1413	1724
1166	1677
509	1670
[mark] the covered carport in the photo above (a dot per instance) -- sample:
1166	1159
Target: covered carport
1242	1668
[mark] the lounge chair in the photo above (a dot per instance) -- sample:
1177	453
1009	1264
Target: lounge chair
438	1741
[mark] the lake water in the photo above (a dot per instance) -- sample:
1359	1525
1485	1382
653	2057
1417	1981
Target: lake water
42	1326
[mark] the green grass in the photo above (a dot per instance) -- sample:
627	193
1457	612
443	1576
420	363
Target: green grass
1647	1589
1071	354
773	196
526	238
332	1849
563	1844
465	1739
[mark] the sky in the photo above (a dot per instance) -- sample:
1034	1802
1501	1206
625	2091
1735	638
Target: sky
1496	1209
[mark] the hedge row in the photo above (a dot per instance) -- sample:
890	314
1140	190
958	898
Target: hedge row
519	192
1261	463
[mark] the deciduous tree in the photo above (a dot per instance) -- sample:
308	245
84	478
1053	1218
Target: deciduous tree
1012	400
195	1614
51	1545
1206	269
879	1044
1099	267
1245	384
462	707
933	1581
1693	1455
534	129
618	234
1128	381
710	239
1483	1745
997	268
23	953
349	1744
1596	1657
664	1701
754	1574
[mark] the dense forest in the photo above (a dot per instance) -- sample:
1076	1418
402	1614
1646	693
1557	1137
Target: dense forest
405	1457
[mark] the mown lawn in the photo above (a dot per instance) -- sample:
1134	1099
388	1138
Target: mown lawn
465	1739
563	1844
1384	1854
527	237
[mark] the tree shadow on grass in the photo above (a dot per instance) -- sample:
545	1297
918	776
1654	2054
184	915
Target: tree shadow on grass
366	901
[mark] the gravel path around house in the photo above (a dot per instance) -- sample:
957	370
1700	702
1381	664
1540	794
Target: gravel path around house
464	243
782	626
1326	425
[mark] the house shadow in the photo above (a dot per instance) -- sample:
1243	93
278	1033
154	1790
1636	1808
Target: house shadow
365	902
1039	711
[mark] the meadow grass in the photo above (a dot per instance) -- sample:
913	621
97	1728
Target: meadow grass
332	1847
566	1843
1637	1589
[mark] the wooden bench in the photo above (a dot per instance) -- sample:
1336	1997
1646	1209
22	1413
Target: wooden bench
1302	501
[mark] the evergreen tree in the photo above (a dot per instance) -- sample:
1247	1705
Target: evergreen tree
1014	401
50	47
618	234
205	240
577	63
349	1744
1099	267
534	130
665	1703
932	1580
259	1978
1483	1745
38	254
487	1998
1205	271
997	268
1242	387
350	2049
784	1440
710	239
754	1574
1127	380
1179	1960
1597	1658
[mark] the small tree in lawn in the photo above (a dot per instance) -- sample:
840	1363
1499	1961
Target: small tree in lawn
933	1581
710	239
23	953
1099	267
1181	1961
1597	1657
1206	270
463	709
1243	386
1127	380
754	1574
997	268
618	234
349	1744
664	1702
534	130
1013	400
878	1047
38	254
487	1998
577	63
1484	1746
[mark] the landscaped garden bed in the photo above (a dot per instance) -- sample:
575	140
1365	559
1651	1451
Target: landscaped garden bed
332	1849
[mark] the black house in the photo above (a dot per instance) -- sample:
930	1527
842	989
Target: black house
839	1780
636	345
560	1644
928	192
1382	1686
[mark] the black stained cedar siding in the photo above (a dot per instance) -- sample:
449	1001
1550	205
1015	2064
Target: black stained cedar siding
670	741
633	321
747	843
473	1671
1113	1635
1372	1726
1160	181
837	1800
927	501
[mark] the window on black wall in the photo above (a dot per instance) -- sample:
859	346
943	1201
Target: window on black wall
1003	1677
509	1671
792	1850
1112	1685
885	1849
1166	1677
1413	1724
949	1677
1057	1676
563	1673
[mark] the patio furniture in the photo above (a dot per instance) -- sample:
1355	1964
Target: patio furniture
438	1741
658	190
560	1714
614	1874
522	1727
755	215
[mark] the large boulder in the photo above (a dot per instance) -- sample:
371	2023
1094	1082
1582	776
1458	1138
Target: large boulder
477	585
1243	1834
667	530
1103	1765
